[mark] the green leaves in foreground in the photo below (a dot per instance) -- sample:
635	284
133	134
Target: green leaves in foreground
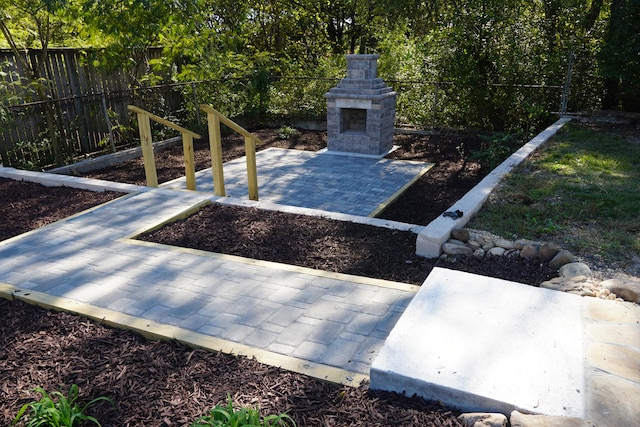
57	410
228	416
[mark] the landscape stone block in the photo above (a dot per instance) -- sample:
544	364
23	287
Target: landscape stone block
518	419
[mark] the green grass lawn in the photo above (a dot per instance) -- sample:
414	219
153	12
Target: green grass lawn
581	190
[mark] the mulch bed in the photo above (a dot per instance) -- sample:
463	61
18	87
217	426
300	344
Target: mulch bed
324	244
166	384
25	206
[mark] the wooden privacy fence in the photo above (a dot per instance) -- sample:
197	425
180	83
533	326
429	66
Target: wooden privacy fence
81	96
214	119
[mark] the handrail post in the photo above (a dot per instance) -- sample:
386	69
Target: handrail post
146	141
252	173
214	119
215	143
189	162
144	126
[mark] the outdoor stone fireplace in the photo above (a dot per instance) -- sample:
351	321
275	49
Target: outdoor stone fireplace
361	110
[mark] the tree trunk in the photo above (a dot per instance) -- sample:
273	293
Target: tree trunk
32	73
611	99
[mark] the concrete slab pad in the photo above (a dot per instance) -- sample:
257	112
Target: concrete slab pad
487	345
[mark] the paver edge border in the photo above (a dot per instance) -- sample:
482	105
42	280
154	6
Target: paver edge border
188	211
162	332
362	280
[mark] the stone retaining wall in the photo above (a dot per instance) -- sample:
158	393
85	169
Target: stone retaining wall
112	159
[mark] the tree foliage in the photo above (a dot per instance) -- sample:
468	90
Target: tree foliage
481	51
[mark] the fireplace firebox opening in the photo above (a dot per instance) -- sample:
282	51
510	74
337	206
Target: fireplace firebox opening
353	120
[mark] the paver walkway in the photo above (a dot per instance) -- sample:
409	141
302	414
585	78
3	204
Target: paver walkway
350	184
323	324
308	318
302	314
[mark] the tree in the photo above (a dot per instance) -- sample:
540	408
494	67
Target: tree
620	56
129	27
44	23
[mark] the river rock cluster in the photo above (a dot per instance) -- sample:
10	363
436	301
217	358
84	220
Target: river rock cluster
480	243
573	276
518	419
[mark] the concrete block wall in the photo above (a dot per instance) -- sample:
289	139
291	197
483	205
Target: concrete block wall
430	239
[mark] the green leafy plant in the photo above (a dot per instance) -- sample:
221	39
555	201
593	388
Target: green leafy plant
497	147
287	132
31	155
57	410
227	415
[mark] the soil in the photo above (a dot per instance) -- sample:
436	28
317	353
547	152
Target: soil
165	384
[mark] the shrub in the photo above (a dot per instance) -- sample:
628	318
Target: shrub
287	132
496	148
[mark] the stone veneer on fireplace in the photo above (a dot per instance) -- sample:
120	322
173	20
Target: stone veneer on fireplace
361	110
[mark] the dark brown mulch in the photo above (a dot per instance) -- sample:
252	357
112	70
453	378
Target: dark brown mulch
166	384
451	177
323	244
158	384
25	206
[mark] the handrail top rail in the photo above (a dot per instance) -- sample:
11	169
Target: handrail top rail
163	121
228	122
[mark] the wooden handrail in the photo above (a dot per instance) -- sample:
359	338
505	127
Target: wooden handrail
146	141
214	119
228	122
162	121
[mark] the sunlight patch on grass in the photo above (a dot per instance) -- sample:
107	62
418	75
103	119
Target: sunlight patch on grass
581	189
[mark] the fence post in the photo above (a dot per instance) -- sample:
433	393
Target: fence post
108	121
144	125
252	173
189	162
195	102
567	84
215	144
74	84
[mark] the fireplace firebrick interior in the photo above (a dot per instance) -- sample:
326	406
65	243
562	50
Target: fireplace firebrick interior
361	110
353	120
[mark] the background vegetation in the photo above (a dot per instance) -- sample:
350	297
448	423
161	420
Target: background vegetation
580	190
489	64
